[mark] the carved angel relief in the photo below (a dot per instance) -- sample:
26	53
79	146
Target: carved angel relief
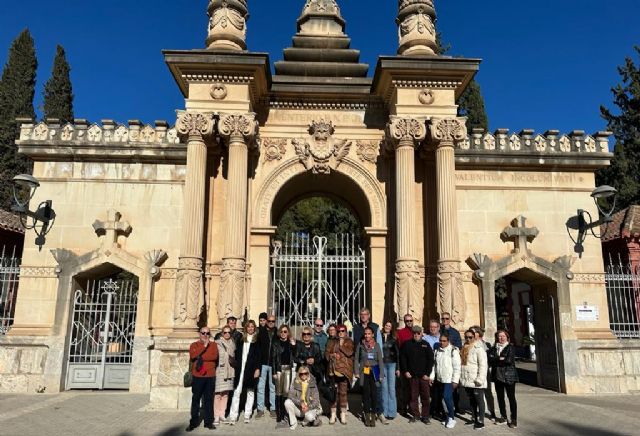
320	152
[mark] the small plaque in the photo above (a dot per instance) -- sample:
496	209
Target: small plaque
587	313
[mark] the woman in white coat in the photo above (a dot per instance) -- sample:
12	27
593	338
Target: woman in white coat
446	372
473	376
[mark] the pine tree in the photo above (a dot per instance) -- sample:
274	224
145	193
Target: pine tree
624	171
58	92
17	88
471	102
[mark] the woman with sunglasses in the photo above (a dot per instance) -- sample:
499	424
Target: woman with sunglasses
247	373
225	373
473	376
203	355
391	354
308	353
282	359
445	376
505	376
304	400
339	354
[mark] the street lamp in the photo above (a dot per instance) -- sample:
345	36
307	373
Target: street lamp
41	221
583	221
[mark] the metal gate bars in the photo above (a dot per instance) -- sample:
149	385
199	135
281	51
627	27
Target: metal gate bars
101	335
317	277
623	295
9	278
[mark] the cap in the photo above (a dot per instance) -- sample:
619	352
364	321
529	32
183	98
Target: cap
263	315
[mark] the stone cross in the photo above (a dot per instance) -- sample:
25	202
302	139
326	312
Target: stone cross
520	234
112	228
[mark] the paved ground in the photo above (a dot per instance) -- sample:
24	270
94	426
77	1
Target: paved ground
542	413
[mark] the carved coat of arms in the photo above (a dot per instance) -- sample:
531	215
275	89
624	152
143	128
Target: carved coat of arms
320	152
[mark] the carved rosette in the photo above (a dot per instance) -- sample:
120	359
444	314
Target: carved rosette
451	291
194	124
368	151
238	127
448	131
416	27
228	24
405	132
189	290
409	289
232	289
274	148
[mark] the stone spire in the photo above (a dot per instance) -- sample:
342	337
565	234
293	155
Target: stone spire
416	27
227	25
321	48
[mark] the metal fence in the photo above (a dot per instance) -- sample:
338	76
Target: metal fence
623	295
9	277
318	277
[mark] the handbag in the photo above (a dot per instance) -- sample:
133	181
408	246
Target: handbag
187	379
232	359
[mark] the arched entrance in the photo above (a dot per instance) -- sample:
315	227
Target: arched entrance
337	262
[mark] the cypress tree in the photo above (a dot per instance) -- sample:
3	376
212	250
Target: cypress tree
624	171
17	88
58	92
471	102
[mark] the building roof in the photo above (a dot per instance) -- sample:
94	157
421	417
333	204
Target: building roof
10	222
626	224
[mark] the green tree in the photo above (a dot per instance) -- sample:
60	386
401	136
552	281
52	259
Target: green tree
471	102
58	92
318	216
17	88
624	171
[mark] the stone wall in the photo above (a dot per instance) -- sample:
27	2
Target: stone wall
22	365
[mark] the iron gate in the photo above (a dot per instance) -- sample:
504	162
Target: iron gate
9	278
101	335
317	277
623	295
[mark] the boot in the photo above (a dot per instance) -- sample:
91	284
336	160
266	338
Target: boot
332	418
372	420
343	417
365	419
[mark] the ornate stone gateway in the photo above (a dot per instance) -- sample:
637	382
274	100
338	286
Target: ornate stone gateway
102	331
318	277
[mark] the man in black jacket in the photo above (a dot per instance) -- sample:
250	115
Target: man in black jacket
266	336
416	361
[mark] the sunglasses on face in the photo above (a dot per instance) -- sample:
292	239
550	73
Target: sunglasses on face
468	337
304	373
271	321
408	320
306	334
342	331
227	332
417	334
319	325
445	319
205	333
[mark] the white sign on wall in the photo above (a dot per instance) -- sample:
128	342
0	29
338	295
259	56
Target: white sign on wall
587	313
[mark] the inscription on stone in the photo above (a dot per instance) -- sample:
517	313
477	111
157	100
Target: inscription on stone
520	179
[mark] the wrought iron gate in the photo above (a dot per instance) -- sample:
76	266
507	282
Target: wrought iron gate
101	335
623	295
9	278
317	277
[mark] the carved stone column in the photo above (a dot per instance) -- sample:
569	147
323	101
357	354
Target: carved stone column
445	132
228	24
404	135
416	27
189	286
239	131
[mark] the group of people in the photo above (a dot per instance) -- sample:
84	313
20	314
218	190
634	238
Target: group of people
304	376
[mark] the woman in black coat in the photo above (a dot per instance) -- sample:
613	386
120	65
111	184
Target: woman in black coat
247	365
505	376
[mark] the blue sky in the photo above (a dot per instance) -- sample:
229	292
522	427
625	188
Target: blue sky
547	64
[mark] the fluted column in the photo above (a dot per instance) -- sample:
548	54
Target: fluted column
189	286
239	131
404	135
445	132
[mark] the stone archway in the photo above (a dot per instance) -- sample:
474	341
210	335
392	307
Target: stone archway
554	275
357	187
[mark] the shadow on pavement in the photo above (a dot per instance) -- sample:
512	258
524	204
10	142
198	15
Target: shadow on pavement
577	429
172	431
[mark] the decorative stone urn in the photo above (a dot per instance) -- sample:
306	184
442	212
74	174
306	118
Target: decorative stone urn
228	24
416	27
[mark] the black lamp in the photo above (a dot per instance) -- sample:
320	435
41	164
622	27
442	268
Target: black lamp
41	221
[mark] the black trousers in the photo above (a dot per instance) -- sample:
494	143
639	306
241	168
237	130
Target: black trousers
476	398
202	389
369	394
511	393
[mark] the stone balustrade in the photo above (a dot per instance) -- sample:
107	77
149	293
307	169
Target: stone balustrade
109	132
527	141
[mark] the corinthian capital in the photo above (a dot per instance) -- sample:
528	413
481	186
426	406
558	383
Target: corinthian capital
446	131
238	126
194	124
405	131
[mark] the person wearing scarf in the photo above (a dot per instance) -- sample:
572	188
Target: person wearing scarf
304	400
225	373
473	376
247	373
369	369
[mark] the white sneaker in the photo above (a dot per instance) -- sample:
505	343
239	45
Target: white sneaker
450	423
247	419
294	425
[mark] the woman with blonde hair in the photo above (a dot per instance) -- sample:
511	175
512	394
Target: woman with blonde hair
225	373
304	400
473	376
247	373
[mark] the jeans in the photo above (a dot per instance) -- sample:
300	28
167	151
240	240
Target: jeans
266	373
419	389
511	393
476	398
388	389
202	388
447	393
